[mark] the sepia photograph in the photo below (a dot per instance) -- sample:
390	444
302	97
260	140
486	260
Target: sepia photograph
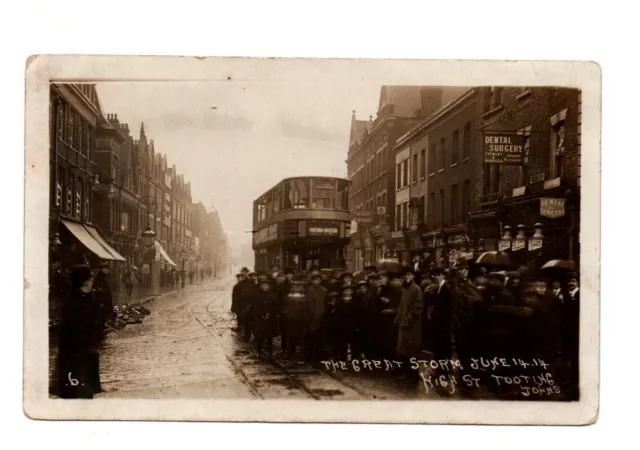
295	231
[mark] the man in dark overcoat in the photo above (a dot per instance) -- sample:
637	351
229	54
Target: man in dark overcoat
388	301
441	315
282	292
104	311
571	330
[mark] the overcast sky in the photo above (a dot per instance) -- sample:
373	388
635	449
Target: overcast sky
259	134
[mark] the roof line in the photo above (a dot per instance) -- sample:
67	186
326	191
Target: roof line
433	117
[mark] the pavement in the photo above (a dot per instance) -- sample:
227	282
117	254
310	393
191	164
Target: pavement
186	348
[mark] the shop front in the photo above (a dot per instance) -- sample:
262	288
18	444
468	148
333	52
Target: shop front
533	228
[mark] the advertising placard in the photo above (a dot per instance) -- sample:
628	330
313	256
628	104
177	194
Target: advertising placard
505	244
505	149
535	244
518	244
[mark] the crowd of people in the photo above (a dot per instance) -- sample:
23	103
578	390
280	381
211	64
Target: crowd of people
396	312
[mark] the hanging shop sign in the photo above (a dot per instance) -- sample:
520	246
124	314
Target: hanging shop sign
363	216
535	244
505	149
552	208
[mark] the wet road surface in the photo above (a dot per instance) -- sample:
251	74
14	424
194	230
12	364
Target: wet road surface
186	348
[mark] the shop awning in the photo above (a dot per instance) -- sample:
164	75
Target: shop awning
163	253
82	234
93	231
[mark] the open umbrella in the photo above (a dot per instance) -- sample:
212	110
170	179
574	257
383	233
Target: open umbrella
389	265
561	264
494	259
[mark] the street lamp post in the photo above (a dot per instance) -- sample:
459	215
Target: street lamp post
148	236
183	254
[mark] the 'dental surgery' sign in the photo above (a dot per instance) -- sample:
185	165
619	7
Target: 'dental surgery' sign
507	149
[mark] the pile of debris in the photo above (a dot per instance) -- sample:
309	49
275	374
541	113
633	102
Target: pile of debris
125	315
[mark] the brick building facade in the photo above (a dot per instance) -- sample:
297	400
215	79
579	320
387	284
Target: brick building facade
435	192
512	199
371	165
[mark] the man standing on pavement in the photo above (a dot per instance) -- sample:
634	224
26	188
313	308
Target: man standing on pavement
408	320
104	312
130	279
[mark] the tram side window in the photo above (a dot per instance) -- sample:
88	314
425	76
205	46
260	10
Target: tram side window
297	194
343	195
288	194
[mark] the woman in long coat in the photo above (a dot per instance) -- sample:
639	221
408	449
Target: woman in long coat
265	316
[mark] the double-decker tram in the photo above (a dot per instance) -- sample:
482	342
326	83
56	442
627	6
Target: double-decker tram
302	222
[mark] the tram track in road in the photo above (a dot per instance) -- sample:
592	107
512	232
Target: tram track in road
170	332
290	376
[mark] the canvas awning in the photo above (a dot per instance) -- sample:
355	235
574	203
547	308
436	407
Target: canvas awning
88	239
93	231
163	253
